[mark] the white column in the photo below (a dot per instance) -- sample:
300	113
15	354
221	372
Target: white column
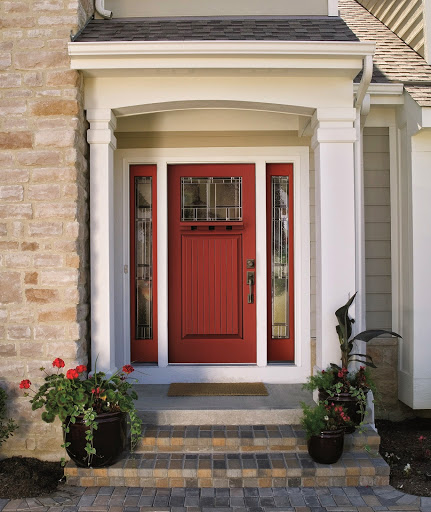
102	145
333	145
421	274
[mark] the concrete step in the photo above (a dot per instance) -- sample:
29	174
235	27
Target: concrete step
281	406
242	438
230	470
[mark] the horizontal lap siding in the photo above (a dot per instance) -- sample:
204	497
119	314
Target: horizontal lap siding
377	228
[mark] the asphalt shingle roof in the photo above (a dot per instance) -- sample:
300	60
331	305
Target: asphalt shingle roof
394	60
210	29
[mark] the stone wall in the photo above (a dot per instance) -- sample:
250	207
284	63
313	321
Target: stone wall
44	267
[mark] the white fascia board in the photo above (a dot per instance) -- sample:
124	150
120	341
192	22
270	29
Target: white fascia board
384	94
426	117
213	54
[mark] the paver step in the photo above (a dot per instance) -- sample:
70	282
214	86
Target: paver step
243	438
231	470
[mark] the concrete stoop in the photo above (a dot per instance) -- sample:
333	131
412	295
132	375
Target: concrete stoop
236	456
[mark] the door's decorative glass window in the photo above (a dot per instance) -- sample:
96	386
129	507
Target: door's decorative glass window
211	199
144	257
279	256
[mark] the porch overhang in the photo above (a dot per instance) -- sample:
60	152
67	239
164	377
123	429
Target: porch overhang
280	58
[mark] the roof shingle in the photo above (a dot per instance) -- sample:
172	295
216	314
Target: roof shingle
394	60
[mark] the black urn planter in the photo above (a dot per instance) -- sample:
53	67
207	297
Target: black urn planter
327	447
350	405
109	440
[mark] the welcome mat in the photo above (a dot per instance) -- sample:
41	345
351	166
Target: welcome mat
217	389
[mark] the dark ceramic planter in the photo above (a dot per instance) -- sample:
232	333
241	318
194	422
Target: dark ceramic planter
349	404
109	440
327	447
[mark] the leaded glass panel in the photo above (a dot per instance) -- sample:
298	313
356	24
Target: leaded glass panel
280	256
144	257
211	199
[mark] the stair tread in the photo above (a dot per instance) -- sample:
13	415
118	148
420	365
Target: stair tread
239	438
273	469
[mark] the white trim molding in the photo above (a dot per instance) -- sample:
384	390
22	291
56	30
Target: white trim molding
164	372
307	57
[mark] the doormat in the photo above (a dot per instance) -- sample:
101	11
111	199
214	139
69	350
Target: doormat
217	389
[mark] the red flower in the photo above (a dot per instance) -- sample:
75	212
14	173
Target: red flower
95	391
128	368
422	438
72	374
59	363
24	384
81	368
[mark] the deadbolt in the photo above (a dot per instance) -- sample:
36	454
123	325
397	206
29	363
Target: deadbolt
250	263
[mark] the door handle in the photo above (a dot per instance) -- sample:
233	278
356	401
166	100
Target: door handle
250	282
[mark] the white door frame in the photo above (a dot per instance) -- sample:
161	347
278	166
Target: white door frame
162	157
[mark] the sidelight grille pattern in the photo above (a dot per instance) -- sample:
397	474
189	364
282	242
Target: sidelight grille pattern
211	199
279	256
144	257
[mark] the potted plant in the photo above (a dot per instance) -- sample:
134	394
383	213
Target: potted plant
341	384
324	428
93	410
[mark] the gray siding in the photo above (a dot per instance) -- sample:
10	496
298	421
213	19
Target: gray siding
377	228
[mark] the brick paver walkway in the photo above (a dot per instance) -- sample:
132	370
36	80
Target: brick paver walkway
248	499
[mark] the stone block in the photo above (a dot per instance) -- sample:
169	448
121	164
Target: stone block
16	211
11	106
12	175
29	246
41	59
11	193
58	277
39	158
8	80
49	332
54	107
54	138
46	192
66	211
9	246
16	140
33	78
18	260
7	349
31	277
62	78
58	315
18	332
10	287
41	295
45	229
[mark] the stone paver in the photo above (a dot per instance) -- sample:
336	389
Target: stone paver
222	499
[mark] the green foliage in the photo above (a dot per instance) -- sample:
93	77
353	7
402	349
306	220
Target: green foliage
7	426
344	331
70	395
323	417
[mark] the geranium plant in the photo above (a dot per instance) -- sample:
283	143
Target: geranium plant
75	393
323	417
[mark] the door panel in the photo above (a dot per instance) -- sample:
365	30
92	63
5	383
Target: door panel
211	216
211	289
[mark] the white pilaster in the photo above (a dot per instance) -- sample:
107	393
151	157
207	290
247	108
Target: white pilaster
102	142
421	275
333	145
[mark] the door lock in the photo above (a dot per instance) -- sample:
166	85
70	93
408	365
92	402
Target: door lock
250	282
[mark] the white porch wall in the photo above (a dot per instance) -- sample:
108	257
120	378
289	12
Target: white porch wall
145	8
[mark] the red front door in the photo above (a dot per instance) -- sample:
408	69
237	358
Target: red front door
212	248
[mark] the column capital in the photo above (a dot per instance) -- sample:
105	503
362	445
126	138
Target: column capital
102	126
331	125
